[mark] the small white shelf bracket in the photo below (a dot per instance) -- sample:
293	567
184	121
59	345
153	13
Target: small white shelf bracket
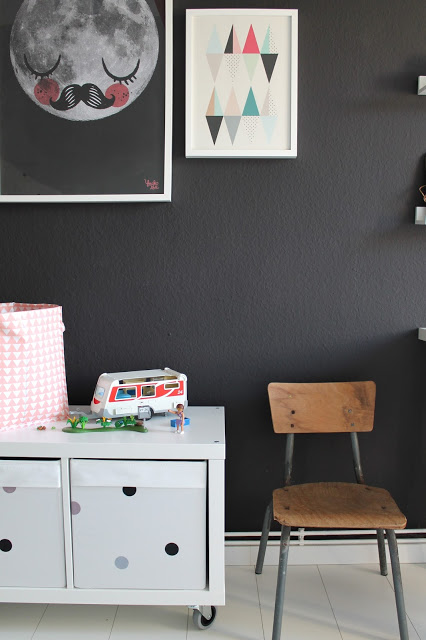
421	87
422	333
420	215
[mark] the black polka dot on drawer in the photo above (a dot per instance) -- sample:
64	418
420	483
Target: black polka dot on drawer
5	545
171	549
129	491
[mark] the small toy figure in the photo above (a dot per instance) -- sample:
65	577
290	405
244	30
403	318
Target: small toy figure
180	420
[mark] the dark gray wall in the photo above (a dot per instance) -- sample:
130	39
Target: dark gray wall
307	270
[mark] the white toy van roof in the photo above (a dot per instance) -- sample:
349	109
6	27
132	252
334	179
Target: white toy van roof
144	375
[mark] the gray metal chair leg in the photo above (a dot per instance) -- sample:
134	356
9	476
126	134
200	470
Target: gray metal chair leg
282	574
382	552
397	583
264	538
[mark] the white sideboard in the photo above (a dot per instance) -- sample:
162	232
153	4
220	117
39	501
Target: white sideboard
134	518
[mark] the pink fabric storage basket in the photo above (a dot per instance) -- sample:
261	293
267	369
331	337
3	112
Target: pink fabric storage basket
33	388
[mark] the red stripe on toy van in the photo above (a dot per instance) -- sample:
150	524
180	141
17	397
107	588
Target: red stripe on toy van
165	393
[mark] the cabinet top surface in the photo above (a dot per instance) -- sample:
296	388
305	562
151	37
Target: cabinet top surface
204	438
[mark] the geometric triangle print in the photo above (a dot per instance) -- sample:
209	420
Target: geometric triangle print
217	108
250	108
232	124
230	44
214	123
214	108
214	45
266	46
251	45
251	60
269	123
236	45
210	108
269	60
265	109
232	107
233	63
214	60
268	108
250	123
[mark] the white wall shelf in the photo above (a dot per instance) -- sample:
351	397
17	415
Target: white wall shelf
420	215
422	333
421	87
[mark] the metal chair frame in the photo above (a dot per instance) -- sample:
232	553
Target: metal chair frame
285	544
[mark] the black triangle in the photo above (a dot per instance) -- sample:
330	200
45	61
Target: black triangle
230	44
269	60
214	123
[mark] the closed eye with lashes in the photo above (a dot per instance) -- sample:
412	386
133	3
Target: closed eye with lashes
125	79
41	74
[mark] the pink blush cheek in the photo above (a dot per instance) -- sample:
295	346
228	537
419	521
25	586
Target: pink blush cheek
120	93
46	90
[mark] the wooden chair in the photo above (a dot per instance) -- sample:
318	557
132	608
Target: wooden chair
326	408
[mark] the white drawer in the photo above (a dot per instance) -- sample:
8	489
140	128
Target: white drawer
31	524
139	524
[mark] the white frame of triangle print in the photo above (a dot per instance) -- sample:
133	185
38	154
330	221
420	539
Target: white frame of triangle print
237	107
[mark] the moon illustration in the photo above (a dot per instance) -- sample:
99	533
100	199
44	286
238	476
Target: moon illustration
84	59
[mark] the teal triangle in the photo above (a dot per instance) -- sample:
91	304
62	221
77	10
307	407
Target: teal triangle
265	46
217	108
269	123
214	45
250	108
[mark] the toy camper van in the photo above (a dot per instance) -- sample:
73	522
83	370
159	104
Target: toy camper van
139	393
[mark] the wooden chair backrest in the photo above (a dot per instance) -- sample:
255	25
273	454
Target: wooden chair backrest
322	407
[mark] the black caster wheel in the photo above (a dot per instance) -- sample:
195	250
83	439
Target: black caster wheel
200	621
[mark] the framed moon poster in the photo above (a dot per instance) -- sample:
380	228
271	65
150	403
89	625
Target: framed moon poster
241	83
86	113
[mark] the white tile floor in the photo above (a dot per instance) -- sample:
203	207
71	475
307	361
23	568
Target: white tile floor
326	602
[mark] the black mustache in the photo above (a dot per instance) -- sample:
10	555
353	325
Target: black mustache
89	93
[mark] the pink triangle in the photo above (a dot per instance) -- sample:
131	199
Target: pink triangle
251	42
236	45
210	108
232	108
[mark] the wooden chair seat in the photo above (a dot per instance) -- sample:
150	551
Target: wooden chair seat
336	505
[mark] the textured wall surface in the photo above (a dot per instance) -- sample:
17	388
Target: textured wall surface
306	270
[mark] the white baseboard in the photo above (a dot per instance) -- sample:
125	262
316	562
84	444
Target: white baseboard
346	551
